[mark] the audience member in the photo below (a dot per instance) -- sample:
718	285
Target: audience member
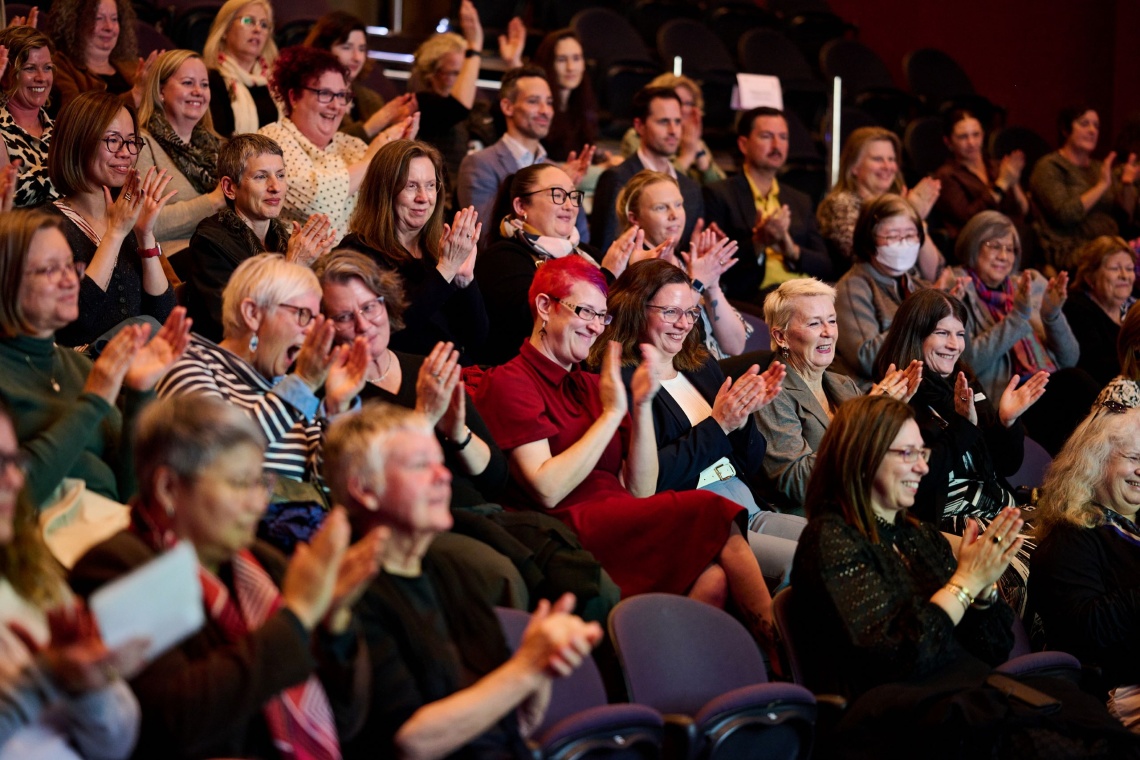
1020	329
62	692
240	53
694	158
63	406
180	140
278	670
893	620
93	151
25	127
970	183
1124	389
657	121
975	443
276	354
95	51
869	169
445	681
579	447
652	202
343	35
773	223
524	96
540	207
703	422
251	174
1100	296
1076	197
1087	566
885	249
399	224
325	166
575	119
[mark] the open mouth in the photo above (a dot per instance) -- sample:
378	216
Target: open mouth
911	484
291	353
823	348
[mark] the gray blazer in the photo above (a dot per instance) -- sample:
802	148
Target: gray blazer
793	425
480	175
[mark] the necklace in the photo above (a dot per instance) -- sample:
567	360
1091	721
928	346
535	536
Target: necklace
384	374
50	378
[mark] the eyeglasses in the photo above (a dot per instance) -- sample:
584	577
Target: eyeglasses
371	311
910	455
673	314
17	459
264	482
585	312
251	21
304	316
907	239
115	142
55	272
996	246
559	196
325	97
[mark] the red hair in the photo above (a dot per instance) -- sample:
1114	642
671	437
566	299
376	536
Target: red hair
556	277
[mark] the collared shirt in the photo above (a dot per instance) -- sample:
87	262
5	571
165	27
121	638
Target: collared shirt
775	270
523	156
656	163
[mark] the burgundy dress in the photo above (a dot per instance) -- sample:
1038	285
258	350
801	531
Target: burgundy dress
659	543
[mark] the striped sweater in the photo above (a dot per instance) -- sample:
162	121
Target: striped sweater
286	410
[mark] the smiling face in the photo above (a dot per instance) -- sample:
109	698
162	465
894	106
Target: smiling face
350	298
539	209
352	53
1085	132
660	133
896	480
876	169
186	93
248	32
319	121
107	168
417	485
49	289
1120	489
280	334
569	63
530	114
811	334
416	201
996	259
11	480
667	336
965	141
942	348
568	336
262	190
105	34
1112	282
660	212
766	147
34	79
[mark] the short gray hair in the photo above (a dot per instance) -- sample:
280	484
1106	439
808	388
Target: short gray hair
982	227
268	280
781	302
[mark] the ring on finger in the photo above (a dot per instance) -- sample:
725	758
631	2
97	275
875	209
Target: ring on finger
998	539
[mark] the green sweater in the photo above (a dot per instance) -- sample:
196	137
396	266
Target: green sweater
69	433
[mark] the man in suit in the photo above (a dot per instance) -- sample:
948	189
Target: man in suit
526	102
657	121
773	223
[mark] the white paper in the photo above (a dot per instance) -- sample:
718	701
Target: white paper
160	601
755	90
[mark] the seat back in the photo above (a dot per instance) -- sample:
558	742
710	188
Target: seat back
648	16
924	147
935	77
859	66
731	19
150	39
700	50
781	608
1033	466
678	654
607	38
767	51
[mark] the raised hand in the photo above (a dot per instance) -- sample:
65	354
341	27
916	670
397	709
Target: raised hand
1106	169
646	379
457	245
555	641
308	243
577	164
9	173
964	399
76	658
1010	168
359	566
512	43
1129	171
1015	400
32	19
310	580
709	257
982	559
923	195
470	24
1056	291
106	376
316	355
138	92
610	388
395	110
152	196
151	360
123	212
691	129
435	385
617	256
347	371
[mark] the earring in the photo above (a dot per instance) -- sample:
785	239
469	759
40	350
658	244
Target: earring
542	330
253	343
524	217
785	352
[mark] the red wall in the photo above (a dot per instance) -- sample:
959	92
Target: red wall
1031	56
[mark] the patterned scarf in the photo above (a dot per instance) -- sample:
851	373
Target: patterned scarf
245	110
1029	356
300	718
198	161
543	246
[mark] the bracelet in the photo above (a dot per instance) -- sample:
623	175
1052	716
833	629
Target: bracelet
150	253
962	595
472	52
451	445
698	286
985	603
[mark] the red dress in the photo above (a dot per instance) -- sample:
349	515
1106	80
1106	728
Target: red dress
659	543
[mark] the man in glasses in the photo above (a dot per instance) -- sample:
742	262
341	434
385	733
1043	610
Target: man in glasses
251	171
527	104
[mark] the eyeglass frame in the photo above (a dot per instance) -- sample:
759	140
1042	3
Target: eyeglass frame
694	314
299	312
910	455
17	459
247	20
995	246
54	272
574	196
133	146
324	97
907	239
605	316
346	318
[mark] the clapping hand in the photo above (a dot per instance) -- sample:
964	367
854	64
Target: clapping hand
347	370
512	43
458	247
1015	400
899	383
309	243
964	399
149	198
1056	292
617	256
152	359
435	386
577	164
924	195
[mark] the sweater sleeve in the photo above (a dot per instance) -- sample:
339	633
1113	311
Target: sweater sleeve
181	214
861	334
789	459
54	452
1056	192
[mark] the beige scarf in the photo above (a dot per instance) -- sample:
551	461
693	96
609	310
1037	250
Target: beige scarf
238	83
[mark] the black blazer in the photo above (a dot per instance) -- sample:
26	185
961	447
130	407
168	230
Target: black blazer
684	450
729	203
603	219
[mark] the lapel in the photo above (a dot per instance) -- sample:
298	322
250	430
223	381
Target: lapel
742	197
795	385
702	380
506	160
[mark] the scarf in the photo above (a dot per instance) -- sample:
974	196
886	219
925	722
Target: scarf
1029	356
543	246
276	239
300	718
245	110
197	161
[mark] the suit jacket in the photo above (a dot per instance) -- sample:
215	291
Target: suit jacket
685	450
729	203
480	175
603	218
794	424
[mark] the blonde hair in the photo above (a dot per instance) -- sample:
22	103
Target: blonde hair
428	56
226	15
780	304
163	69
852	155
630	195
673	81
268	280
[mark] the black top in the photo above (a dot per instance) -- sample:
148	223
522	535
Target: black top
438	310
441	125
1096	334
222	112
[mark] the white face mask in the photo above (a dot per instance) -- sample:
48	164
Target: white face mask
898	256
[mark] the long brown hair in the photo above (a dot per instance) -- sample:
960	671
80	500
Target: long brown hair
17	228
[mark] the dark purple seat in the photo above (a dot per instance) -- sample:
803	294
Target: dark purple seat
687	658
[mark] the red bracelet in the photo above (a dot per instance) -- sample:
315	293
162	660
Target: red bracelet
150	253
